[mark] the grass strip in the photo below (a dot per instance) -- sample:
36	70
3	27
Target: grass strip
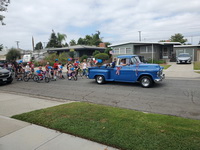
165	66
120	128
196	65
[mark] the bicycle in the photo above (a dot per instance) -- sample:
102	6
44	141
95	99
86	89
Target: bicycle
29	76
43	77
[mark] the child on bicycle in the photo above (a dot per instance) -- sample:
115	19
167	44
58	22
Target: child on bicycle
40	72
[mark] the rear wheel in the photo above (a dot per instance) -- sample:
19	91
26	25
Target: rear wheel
100	79
47	79
146	81
26	78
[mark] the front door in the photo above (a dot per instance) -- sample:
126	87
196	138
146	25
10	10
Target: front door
125	73
165	53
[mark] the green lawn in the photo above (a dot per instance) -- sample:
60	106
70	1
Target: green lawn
165	66
196	65
121	128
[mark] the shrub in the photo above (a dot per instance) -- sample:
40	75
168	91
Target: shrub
102	56
156	61
83	57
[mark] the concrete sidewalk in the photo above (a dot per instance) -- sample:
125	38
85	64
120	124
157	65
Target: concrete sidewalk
181	71
19	135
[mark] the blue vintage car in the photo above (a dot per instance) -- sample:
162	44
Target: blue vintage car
128	68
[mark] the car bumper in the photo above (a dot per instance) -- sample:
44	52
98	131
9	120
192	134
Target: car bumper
183	61
6	80
160	79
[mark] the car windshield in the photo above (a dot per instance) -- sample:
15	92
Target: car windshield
183	55
135	60
1	68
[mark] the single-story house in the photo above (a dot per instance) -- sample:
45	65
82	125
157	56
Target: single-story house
150	50
79	50
193	50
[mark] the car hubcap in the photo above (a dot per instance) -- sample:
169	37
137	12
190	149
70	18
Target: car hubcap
99	79
145	82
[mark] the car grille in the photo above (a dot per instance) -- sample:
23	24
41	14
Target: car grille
4	75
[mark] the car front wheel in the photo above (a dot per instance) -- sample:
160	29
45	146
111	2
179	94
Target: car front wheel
146	81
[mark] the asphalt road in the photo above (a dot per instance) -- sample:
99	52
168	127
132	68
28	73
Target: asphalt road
174	97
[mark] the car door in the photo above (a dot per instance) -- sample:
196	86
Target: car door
125	73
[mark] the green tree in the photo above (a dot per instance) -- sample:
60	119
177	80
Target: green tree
95	53
178	38
1	47
38	46
61	38
81	41
13	55
72	42
3	7
53	41
102	56
107	51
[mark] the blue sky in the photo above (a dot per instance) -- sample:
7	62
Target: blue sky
117	20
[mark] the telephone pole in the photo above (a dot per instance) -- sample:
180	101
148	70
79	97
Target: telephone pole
17	44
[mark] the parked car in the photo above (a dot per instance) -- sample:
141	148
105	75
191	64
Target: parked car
133	71
184	58
5	76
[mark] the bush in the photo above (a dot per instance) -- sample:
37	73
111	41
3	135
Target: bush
95	53
83	57
156	61
102	56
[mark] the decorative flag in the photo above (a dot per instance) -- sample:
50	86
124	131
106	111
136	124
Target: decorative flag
118	70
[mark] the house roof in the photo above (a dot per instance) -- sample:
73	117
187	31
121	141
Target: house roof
144	43
76	47
184	46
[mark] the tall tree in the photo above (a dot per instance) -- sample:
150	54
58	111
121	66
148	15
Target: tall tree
72	42
61	38
1	47
3	7
38	46
178	38
81	41
13	55
53	41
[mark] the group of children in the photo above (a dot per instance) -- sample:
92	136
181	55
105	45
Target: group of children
55	71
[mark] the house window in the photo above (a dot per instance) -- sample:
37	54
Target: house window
116	50
147	49
128	51
122	51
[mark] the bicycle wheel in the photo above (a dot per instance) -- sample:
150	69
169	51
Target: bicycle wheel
46	79
75	78
35	77
26	78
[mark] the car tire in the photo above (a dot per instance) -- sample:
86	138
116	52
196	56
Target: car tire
100	79
146	81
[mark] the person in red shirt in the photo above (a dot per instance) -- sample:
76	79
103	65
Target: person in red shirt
55	67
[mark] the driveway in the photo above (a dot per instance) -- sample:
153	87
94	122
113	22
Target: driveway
181	71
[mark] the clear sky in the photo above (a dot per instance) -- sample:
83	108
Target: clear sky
117	20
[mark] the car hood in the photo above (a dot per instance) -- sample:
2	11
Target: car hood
150	66
183	58
4	71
